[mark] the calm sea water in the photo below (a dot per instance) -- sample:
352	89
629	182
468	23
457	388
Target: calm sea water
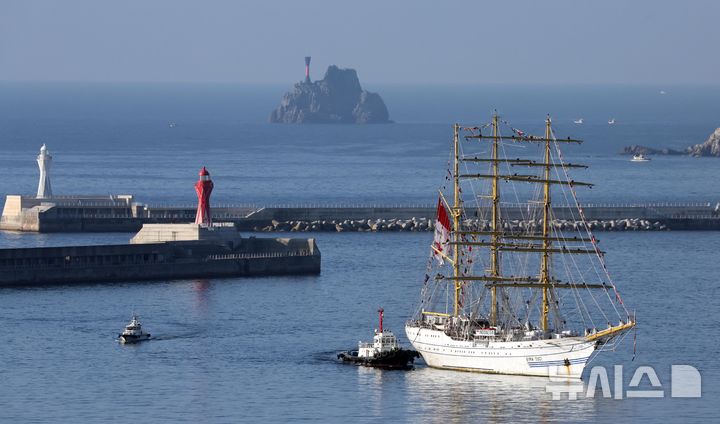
244	350
230	350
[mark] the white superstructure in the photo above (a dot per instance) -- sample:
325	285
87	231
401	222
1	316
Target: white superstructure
44	161
383	342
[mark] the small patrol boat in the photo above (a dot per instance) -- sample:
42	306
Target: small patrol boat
133	332
383	352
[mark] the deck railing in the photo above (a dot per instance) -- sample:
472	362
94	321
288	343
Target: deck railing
263	255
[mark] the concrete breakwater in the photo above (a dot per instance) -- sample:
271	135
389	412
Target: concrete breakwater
599	217
174	251
425	224
123	214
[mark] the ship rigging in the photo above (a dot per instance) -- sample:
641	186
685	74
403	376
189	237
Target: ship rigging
508	301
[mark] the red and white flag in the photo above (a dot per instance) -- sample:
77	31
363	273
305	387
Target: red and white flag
442	232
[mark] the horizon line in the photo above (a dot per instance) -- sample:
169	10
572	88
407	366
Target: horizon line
397	83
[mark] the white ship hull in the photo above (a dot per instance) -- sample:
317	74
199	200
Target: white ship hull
565	357
128	339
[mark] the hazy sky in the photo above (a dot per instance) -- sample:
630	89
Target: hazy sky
387	41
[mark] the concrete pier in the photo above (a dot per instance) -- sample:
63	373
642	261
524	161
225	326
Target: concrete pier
200	252
114	213
70	214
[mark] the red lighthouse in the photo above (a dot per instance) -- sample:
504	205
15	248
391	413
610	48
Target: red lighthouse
204	187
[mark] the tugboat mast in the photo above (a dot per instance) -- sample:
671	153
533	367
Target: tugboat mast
380	312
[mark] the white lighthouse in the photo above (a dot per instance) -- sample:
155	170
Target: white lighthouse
44	161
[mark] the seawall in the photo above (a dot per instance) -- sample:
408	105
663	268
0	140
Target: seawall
613	217
48	218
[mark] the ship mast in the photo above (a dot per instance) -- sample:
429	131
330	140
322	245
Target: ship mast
516	241
545	265
494	253
495	224
513	241
500	239
456	211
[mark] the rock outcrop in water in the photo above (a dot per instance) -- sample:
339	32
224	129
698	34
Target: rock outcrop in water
636	149
338	98
711	147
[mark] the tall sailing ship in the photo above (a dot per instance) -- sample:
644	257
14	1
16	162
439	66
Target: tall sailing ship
506	291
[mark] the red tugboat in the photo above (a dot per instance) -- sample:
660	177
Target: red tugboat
383	352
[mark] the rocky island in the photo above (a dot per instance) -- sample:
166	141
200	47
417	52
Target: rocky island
711	147
338	98
637	149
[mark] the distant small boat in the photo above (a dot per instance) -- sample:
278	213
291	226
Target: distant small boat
133	332
611	122
662	92
578	121
640	158
172	124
